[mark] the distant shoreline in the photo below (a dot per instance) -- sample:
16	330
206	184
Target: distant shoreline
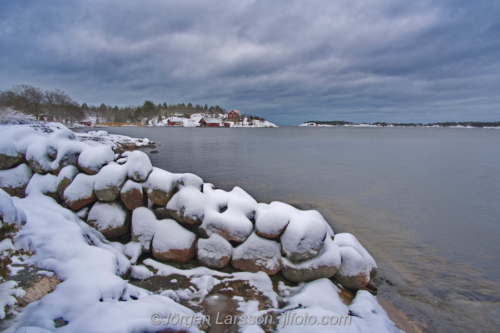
464	124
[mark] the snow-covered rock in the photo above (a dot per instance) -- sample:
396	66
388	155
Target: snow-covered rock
43	184
257	254
109	181
110	219
189	205
160	186
144	225
171	242
214	252
80	192
139	166
358	267
132	195
14	181
64	178
92	159
8	212
304	236
9	157
325	265
270	223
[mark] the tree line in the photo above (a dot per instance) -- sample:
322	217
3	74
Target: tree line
60	107
440	124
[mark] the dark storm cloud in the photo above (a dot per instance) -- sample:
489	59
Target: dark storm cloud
288	61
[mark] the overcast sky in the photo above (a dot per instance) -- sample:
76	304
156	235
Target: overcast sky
287	61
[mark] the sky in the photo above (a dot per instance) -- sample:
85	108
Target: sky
285	60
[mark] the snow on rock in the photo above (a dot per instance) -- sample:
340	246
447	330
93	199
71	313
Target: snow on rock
92	295
324	265
365	309
214	252
92	159
141	272
189	179
14	181
139	166
109	181
8	212
257	254
43	184
10	154
80	192
321	292
189	205
234	223
171	242
160	186
38	157
144	225
110	219
270	223
8	294
64	178
132	195
304	236
358	267
132	250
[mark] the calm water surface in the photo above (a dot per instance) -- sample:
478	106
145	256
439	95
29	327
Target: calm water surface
424	201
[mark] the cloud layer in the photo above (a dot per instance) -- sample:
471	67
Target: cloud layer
288	61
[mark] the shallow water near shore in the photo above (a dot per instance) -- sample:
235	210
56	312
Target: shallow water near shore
424	201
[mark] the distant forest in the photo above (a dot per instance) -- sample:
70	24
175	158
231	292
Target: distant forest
441	124
62	108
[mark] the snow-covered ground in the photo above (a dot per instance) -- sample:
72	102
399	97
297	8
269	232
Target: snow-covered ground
100	288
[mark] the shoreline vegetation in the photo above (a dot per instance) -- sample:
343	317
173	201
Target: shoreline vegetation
152	242
451	124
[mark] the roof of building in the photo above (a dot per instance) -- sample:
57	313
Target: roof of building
209	120
237	111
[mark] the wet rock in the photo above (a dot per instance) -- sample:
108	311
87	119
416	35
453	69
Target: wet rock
171	242
214	252
258	254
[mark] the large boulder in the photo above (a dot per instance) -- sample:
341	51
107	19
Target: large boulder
358	267
14	181
38	157
257	254
304	236
10	158
110	218
92	159
139	166
270	223
65	177
214	252
160	186
188	206
171	242
109	181
80	192
144	225
324	265
132	195
8	212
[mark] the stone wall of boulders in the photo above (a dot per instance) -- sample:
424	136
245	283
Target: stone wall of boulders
178	217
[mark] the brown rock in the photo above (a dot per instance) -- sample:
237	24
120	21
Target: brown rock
110	219
133	195
171	242
14	181
80	192
214	252
8	161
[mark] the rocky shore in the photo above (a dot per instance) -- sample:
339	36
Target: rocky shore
127	240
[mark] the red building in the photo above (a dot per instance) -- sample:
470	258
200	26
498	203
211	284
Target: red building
210	122
86	123
44	117
175	121
234	114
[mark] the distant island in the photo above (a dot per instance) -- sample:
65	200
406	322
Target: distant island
452	124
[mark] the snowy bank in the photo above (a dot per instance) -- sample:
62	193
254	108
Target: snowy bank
112	227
